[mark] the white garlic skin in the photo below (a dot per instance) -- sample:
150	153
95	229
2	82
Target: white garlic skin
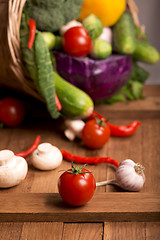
127	177
13	169
46	157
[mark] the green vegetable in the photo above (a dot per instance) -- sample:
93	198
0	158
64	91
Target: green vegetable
45	75
93	25
101	49
39	65
124	35
133	89
49	39
28	54
145	52
140	34
50	15
74	101
138	73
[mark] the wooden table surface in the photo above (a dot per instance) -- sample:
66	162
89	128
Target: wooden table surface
27	211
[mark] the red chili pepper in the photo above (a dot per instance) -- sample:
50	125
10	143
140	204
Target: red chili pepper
58	104
119	130
124	130
30	149
32	32
88	160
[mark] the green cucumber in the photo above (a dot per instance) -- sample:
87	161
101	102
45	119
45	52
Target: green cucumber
75	102
145	52
124	35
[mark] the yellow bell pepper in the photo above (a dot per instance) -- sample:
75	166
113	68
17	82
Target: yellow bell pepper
109	11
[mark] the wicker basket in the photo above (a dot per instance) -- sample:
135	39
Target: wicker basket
13	73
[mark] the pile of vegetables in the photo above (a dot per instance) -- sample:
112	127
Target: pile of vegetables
94	45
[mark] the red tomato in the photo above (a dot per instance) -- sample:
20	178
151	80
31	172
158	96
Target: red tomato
95	134
12	112
76	42
76	189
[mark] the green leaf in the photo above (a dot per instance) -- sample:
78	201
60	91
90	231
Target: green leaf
118	97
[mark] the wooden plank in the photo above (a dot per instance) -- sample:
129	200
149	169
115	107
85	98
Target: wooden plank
10	231
124	230
148	108
82	231
153	231
103	207
42	231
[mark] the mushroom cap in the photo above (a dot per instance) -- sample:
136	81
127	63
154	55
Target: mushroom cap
13	170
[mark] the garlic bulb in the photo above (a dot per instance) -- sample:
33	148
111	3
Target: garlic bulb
13	169
130	175
46	157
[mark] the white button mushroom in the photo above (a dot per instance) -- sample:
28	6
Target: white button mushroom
74	128
46	157
13	169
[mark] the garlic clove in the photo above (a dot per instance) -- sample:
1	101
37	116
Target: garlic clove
46	157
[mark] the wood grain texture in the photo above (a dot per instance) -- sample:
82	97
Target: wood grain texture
125	230
10	231
152	231
103	207
42	231
82	231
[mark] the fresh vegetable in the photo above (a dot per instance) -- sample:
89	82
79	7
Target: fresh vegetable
93	25
74	101
50	39
74	128
124	36
129	176
117	130
101	49
27	152
69	25
58	104
76	186
45	75
13	169
46	157
145	52
88	160
106	35
108	11
133	89
124	130
32	26
51	15
12	111
95	133
100	79
76	42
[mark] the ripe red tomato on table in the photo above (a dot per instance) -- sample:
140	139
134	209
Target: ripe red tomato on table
12	112
76	42
95	133
76	186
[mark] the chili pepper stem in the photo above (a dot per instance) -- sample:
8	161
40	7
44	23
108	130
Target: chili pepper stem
107	182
